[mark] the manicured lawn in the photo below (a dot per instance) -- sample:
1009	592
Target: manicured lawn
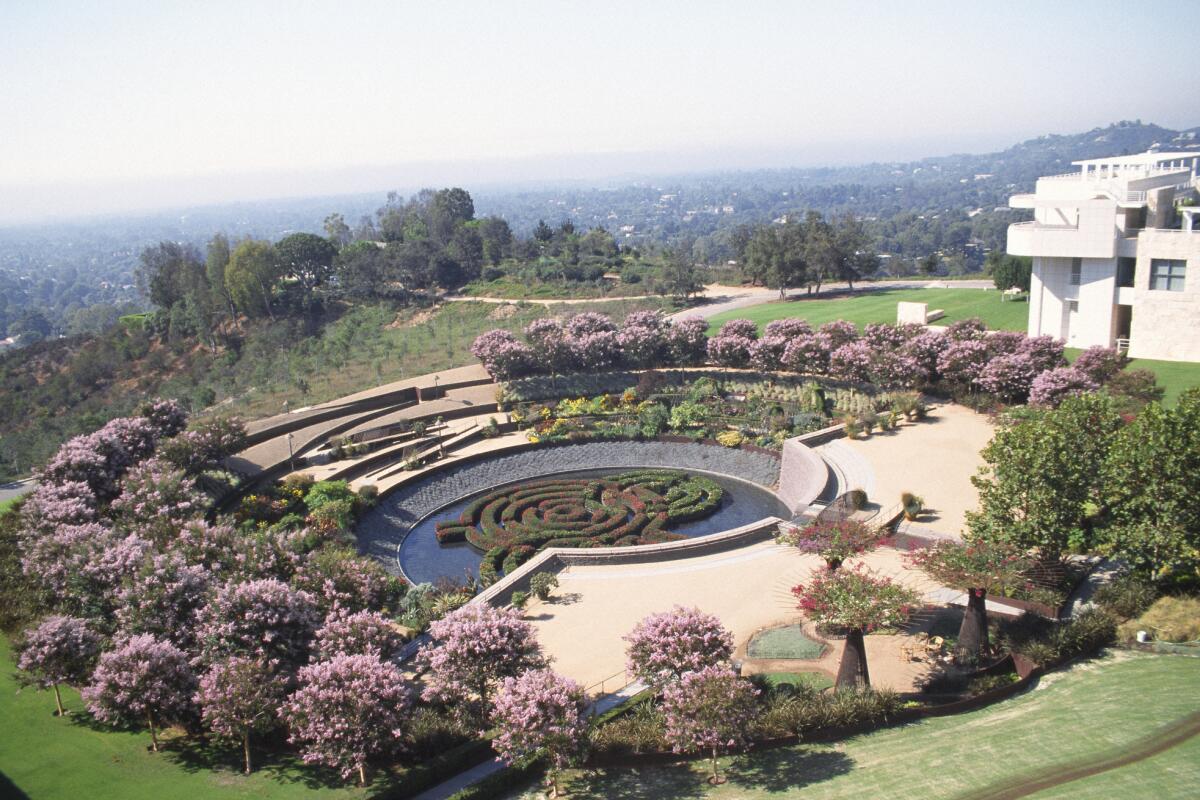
45	756
815	680
879	305
1174	376
5	504
785	642
1098	711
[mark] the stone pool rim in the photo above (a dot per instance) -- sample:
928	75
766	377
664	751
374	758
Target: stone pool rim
550	475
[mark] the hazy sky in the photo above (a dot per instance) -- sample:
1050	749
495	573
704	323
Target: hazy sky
116	105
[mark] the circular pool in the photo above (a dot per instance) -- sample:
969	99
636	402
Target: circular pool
422	558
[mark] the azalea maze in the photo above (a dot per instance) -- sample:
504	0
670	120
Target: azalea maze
638	507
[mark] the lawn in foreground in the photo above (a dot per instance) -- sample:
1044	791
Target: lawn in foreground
44	756
879	305
1097	709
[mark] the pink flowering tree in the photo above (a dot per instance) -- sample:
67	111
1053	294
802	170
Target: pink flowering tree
838	333
966	330
541	713
1055	385
338	577
854	602
58	650
788	327
206	445
710	711
808	354
1008	377
963	361
1046	352
164	598
926	349
239	698
978	567
166	417
503	356
81	568
230	554
834	540
360	633
1100	363
642	339
853	361
732	345
156	499
596	351
143	680
264	617
52	505
472	650
548	342
687	341
767	352
1005	343
347	711
663	646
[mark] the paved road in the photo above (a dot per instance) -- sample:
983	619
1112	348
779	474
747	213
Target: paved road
11	491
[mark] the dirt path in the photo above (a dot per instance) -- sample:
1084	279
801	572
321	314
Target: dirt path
1174	734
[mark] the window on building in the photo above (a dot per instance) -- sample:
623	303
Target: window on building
1076	271
1125	270
1167	274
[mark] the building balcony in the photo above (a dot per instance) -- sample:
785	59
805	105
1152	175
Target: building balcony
1054	241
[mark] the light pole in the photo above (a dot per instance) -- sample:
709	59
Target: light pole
291	454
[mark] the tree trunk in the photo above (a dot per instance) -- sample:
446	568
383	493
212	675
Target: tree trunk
246	749
362	775
852	672
716	776
973	635
153	734
833	563
58	700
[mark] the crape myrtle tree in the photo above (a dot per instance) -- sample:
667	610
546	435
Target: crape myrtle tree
471	651
58	650
263	617
834	540
856	601
142	680
359	633
664	646
709	710
346	711
541	713
978	567
240	697
1039	485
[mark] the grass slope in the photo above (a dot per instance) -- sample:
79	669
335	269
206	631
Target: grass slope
879	305
1094	712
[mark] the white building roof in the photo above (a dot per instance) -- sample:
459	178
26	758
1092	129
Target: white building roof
1139	159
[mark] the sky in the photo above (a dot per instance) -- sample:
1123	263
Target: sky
114	106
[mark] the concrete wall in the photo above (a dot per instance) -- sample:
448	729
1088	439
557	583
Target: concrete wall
802	476
1166	325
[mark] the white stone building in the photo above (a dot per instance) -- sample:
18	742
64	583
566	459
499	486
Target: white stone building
1115	260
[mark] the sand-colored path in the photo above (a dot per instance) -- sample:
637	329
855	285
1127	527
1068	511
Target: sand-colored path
747	589
935	459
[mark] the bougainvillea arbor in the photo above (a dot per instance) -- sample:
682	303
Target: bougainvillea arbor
512	524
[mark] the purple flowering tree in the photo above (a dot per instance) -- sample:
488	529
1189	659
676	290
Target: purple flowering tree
853	361
596	351
548	342
230	554
503	356
263	617
156	499
730	351
834	541
1100	364
1055	385
541	713
239	698
166	417
164	599
360	633
1003	343
472	650
346	711
1046	352
144	680
643	339
82	567
59	650
52	505
338	577
788	328
588	323
687	341
709	711
839	332
1009	377
808	354
926	349
767	353
963	361
206	445
663	646
966	330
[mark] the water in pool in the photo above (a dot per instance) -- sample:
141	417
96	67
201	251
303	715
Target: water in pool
424	559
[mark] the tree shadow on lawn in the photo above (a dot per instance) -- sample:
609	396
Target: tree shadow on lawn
196	754
783	769
650	783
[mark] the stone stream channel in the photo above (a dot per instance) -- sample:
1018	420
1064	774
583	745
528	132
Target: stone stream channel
400	530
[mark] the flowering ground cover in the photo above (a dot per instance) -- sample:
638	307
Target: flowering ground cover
639	507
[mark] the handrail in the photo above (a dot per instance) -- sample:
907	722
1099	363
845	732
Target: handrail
623	674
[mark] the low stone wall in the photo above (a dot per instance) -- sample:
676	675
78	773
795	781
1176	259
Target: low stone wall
382	530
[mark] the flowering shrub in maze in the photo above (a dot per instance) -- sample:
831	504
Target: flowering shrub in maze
638	507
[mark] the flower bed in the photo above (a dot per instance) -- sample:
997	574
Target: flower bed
636	507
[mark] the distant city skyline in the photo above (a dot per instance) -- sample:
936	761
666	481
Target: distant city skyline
124	106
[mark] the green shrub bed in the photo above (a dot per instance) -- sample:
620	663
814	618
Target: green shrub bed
638	507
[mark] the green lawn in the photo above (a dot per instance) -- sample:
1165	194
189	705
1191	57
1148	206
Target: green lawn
880	306
45	756
1097	711
1174	376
